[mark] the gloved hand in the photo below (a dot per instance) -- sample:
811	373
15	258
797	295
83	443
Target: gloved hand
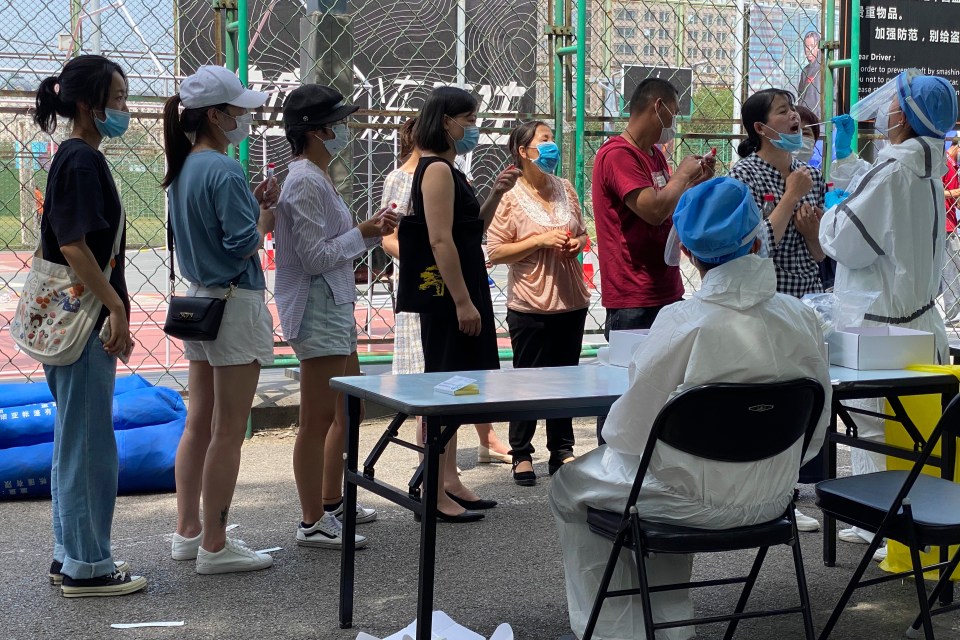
835	197
846	126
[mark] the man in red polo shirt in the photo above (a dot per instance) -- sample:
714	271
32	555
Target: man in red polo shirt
634	197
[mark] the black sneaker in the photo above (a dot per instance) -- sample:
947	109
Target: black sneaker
56	570
118	583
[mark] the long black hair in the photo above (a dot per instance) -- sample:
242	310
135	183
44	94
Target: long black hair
757	109
84	80
429	133
176	126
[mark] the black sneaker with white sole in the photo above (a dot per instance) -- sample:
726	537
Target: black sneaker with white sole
56	570
325	533
118	583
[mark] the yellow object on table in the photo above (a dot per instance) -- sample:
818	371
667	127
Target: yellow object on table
924	411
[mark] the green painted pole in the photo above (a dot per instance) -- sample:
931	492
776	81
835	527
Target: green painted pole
230	50
829	35
579	164
559	20
243	46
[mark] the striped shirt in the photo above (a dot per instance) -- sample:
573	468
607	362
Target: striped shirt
316	237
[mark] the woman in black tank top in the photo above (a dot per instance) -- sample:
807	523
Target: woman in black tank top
461	334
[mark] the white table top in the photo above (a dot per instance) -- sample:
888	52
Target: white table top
574	387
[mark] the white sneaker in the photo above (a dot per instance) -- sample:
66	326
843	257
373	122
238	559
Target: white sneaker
185	548
804	522
855	535
326	533
235	556
364	515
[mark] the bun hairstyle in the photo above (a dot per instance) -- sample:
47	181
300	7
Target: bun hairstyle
405	137
84	82
757	109
176	125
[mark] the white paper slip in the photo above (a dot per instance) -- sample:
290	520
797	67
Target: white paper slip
458	386
137	625
231	527
270	550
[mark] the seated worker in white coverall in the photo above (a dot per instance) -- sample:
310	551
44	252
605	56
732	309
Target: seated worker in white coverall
887	235
736	328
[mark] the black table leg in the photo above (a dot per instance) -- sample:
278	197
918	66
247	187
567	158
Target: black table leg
948	465
830	467
348	551
428	527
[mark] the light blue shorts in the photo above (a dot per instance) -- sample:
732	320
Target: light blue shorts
327	328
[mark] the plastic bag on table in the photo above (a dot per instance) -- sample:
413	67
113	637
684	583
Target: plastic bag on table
840	309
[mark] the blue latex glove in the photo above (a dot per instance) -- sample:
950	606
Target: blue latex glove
846	127
835	197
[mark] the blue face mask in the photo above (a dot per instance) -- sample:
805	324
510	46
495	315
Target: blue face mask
469	141
549	157
789	142
115	123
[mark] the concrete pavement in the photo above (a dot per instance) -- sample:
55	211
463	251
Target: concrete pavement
506	568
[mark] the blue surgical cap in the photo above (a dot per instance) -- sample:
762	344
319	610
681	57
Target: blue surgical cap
717	220
929	103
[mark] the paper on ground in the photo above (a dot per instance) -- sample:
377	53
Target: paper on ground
444	628
270	550
137	625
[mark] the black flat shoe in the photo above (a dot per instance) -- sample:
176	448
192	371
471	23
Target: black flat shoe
466	516
523	478
473	504
553	467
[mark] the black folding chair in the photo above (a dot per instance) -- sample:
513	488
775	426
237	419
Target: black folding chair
726	423
912	508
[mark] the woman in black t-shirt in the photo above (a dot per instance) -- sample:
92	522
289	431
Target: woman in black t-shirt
459	334
81	218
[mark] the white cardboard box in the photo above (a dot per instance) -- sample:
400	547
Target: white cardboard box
881	348
623	344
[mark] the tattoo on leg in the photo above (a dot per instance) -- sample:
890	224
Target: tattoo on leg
223	516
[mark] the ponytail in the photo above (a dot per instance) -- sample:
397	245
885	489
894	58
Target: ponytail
747	147
176	144
177	128
48	105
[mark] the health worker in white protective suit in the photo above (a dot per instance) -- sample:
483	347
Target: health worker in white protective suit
736	328
887	233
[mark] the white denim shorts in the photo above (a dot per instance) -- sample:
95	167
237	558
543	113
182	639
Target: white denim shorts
327	328
246	332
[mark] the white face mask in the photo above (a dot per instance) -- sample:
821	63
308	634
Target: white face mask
804	153
667	133
242	131
339	141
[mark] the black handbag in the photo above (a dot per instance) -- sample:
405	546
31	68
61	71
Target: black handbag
189	318
420	287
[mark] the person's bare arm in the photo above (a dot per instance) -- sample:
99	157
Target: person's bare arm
799	184
84	264
508	253
656	207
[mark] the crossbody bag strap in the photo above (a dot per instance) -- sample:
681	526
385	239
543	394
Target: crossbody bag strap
173	273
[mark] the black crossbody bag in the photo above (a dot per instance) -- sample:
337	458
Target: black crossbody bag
193	319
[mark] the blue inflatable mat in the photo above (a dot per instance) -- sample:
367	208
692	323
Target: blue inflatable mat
23	393
33	424
146	463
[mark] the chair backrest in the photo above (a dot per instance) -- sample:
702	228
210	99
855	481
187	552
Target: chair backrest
740	422
735	422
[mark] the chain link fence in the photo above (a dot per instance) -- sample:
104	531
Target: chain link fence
385	56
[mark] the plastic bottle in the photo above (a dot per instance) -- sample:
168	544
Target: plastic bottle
769	204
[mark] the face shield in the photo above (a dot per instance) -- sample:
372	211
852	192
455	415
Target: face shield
671	253
876	106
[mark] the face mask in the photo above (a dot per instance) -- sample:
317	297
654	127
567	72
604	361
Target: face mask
881	125
469	141
788	141
114	124
667	133
339	141
549	157
806	151
242	130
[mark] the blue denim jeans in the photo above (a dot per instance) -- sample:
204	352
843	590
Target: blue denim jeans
83	479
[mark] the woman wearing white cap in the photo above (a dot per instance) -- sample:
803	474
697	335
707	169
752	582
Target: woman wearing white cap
887	235
218	228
